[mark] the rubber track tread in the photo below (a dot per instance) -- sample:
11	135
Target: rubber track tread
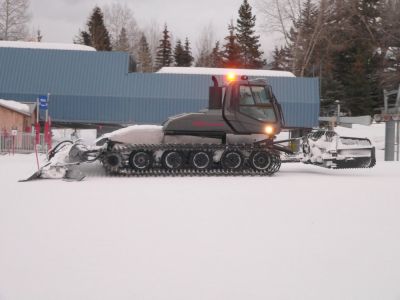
159	171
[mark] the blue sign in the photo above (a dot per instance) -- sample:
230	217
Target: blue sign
43	104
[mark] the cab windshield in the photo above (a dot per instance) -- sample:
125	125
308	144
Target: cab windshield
255	102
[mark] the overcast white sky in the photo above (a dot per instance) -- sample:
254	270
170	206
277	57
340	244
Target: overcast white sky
60	20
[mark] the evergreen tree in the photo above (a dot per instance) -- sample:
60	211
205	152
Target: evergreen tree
144	56
279	59
183	54
122	43
179	53
232	51
217	57
214	59
355	63
164	51
99	37
83	38
187	54
389	39
249	42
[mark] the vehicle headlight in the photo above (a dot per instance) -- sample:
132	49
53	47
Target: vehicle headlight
269	130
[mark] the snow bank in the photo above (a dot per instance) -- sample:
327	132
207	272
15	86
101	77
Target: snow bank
222	71
16	106
52	46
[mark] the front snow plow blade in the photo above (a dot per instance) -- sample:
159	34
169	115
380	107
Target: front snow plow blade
48	171
327	149
63	161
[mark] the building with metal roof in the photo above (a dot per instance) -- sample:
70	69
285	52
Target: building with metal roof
93	87
16	116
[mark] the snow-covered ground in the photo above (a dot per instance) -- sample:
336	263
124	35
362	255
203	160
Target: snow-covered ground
305	233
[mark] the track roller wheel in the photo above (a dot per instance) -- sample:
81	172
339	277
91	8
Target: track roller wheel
232	160
260	160
172	160
200	160
112	161
140	160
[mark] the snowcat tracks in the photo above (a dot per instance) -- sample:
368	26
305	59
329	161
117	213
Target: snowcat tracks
159	169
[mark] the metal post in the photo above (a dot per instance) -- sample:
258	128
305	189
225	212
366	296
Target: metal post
46	131
389	140
338	112
37	110
397	140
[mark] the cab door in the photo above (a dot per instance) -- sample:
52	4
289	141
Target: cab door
248	108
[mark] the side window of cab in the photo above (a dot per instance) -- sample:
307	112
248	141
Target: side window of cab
246	96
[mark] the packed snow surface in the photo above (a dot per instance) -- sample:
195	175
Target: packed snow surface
304	233
52	46
16	106
222	71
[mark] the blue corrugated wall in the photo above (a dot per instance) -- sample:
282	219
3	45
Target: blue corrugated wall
95	87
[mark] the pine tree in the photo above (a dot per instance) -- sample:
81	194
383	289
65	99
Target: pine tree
355	62
232	51
97	35
144	56
122	43
179	53
187	54
249	42
83	38
389	71
279	59
164	51
214	59
217	57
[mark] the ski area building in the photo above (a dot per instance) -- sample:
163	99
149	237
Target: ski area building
16	116
91	88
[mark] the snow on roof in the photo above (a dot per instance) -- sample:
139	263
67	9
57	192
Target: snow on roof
16	106
53	46
221	71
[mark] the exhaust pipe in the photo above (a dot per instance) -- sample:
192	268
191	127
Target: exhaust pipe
215	95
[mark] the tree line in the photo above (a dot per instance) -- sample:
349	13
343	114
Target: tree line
351	45
241	48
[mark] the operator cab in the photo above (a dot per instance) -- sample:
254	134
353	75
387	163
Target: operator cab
242	107
249	106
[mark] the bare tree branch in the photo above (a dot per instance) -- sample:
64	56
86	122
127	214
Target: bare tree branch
118	16
14	19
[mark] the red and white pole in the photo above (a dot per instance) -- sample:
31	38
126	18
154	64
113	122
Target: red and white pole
37	133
